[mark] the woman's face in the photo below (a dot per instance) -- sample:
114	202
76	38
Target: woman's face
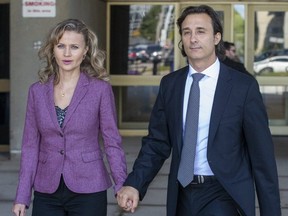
70	51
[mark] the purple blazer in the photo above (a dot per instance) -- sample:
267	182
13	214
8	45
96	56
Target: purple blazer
73	150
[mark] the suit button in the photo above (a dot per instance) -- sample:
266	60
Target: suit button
62	152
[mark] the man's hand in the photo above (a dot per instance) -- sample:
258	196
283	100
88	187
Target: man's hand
128	198
19	209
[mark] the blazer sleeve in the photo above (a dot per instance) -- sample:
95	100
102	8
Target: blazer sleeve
112	139
29	153
261	151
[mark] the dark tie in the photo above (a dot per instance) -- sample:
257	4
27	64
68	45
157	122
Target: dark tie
186	168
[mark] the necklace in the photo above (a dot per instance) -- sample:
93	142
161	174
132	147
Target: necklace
62	92
69	87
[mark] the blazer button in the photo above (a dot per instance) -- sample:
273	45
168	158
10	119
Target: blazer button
62	152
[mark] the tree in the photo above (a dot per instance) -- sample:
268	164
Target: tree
149	23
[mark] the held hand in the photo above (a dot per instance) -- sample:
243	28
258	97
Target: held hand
19	209
128	198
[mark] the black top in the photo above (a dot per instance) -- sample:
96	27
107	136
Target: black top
61	114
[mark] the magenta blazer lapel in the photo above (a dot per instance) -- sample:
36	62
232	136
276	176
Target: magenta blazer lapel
79	93
49	100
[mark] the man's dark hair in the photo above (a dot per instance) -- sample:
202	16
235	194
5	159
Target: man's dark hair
216	23
228	45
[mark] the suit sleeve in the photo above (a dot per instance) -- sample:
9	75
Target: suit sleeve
261	151
155	148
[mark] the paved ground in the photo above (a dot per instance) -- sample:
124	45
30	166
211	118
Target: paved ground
154	202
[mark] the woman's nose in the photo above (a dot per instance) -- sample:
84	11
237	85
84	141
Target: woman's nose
67	51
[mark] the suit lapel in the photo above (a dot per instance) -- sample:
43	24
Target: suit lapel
78	95
49	100
221	97
179	99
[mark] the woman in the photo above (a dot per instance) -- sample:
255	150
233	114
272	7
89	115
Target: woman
67	110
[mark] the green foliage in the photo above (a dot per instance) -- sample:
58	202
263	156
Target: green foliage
239	32
149	23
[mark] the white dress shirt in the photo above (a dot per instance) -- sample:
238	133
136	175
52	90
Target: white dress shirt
207	87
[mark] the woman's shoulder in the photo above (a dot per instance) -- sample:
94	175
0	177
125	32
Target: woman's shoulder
97	81
37	83
38	86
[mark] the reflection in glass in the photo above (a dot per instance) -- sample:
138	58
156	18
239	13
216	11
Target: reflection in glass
239	28
138	103
4	41
4	118
142	39
271	39
276	102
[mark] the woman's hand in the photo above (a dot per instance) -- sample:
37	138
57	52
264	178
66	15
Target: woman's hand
19	209
128	198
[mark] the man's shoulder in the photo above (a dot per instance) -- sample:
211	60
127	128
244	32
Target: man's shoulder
236	66
229	62
175	78
180	72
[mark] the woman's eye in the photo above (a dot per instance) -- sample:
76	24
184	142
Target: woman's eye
60	46
74	47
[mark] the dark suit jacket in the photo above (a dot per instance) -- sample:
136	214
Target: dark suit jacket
240	149
236	65
73	151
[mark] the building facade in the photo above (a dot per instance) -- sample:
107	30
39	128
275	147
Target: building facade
141	41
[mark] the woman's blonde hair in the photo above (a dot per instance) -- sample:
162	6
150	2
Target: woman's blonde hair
93	61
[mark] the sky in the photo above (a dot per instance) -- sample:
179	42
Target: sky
240	8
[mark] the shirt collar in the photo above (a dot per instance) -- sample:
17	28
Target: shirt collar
212	71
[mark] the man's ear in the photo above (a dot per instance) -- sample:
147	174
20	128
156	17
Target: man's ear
217	38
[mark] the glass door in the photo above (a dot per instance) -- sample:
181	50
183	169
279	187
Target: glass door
268	58
142	46
4	77
141	49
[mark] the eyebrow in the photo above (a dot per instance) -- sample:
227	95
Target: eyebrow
68	44
197	28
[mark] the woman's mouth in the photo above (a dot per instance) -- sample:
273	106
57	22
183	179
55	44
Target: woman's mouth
66	62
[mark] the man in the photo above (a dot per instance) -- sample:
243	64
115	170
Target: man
230	51
234	149
231	59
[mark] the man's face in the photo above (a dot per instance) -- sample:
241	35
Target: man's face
231	53
199	40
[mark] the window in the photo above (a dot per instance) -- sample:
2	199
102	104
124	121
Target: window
4	76
141	39
270	42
